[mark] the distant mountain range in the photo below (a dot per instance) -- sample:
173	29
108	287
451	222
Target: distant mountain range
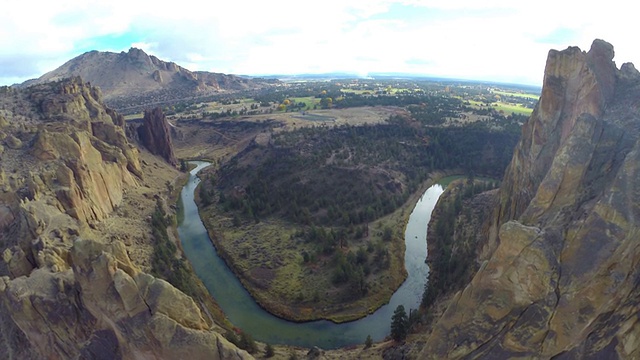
133	79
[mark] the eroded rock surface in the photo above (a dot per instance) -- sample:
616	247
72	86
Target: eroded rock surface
132	79
68	289
104	307
562	280
156	136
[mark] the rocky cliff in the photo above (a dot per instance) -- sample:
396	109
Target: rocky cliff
68	287
134	78
561	278
156	136
103	307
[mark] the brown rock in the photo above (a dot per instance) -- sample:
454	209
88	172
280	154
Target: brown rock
99	309
6	215
155	135
13	142
128	79
17	262
157	76
561	277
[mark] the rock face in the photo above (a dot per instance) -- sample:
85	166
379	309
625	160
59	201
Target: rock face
133	78
68	290
156	136
105	308
562	278
73	164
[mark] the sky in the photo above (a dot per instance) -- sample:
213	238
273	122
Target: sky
489	40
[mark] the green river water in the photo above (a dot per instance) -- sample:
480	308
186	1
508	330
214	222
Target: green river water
243	311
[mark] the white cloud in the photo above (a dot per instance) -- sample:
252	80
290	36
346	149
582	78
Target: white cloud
492	39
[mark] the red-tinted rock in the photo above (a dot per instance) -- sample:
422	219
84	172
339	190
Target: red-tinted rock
155	135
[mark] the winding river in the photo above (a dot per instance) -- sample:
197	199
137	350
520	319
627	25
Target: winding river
243	311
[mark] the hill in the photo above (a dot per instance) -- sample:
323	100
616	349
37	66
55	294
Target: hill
134	78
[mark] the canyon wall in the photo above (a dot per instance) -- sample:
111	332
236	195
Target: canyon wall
561	278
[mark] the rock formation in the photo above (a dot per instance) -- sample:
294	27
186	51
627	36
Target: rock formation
67	289
134	78
562	278
156	136
104	307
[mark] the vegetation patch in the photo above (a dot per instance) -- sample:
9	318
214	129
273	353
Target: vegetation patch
312	222
453	240
166	262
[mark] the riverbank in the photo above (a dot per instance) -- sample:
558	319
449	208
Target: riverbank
277	277
243	311
214	315
458	224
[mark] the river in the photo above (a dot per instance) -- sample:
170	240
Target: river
242	310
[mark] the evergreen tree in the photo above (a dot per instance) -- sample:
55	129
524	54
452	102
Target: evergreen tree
399	324
246	342
268	351
232	337
368	343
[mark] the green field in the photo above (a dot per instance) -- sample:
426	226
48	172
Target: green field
373	91
310	101
134	116
516	94
509	108
357	91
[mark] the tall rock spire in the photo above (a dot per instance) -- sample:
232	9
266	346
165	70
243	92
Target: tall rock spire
155	135
562	278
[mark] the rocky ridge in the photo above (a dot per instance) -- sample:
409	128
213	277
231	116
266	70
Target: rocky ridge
560	278
68	288
134	78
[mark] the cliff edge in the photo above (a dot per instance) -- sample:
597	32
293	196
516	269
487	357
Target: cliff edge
68	287
561	280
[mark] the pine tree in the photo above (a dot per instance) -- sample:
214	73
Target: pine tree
268	351
399	324
368	343
247	343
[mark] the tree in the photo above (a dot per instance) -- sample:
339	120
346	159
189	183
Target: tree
399	324
205	195
387	234
326	102
268	351
236	220
232	337
246	342
368	343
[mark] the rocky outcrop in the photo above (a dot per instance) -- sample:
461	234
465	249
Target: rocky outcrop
156	136
133	78
64	294
71	170
562	279
104	307
82	152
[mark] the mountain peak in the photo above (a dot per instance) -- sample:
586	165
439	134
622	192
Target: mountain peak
132	79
